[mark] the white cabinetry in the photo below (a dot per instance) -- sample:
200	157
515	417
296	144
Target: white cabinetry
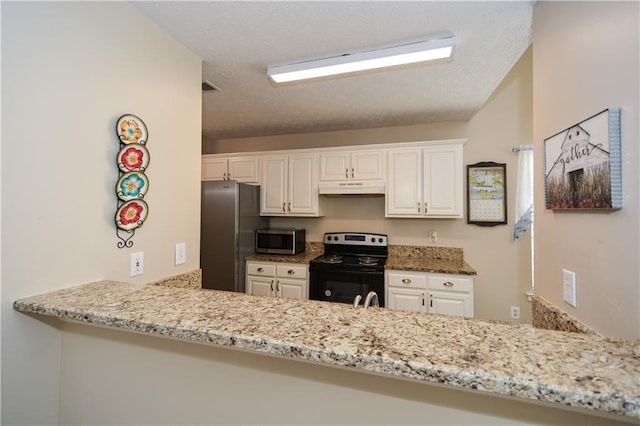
242	169
427	292
277	279
289	185
425	182
352	165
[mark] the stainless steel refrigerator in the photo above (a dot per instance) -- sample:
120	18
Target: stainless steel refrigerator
230	214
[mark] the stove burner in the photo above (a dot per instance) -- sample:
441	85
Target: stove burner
332	258
366	260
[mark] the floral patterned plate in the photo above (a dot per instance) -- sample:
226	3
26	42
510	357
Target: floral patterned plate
132	186
131	215
131	129
134	157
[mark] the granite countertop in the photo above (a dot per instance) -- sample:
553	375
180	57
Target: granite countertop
298	258
564	369
444	260
422	264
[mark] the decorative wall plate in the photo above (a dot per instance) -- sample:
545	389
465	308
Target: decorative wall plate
131	215
132	186
131	129
133	157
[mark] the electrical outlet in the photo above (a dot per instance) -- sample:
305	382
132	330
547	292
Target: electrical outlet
136	264
181	253
515	312
433	236
569	287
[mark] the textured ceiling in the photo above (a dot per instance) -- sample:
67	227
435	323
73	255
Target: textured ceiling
239	40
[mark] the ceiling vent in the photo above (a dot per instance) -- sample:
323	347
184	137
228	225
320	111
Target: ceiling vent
208	86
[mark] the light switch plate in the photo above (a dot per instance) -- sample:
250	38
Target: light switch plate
569	287
181	253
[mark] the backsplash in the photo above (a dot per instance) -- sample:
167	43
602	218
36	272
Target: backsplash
427	252
191	279
548	316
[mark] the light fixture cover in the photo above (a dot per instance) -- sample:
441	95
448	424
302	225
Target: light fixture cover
372	59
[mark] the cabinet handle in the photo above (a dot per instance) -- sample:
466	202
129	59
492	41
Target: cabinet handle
277	286
425	207
272	286
228	176
406	280
291	272
431	300
422	299
418	207
224	176
346	173
289	206
352	173
261	269
283	207
448	284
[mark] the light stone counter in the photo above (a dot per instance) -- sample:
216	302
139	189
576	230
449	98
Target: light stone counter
563	369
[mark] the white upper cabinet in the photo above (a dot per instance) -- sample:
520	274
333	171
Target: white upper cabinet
352	165
425	182
289	185
242	169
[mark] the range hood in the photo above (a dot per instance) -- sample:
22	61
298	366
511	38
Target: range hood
374	187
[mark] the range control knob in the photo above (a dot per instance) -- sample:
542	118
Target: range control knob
335	238
327	293
373	239
380	240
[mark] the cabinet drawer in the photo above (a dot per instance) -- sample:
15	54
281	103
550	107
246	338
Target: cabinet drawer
406	279
291	271
443	282
261	269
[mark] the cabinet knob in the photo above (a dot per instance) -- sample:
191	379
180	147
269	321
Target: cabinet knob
260	269
406	280
448	284
291	272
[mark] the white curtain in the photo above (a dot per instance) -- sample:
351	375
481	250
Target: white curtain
524	191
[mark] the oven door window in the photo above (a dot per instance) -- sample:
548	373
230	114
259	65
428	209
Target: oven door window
343	286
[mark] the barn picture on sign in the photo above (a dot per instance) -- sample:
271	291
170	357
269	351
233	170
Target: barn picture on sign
582	165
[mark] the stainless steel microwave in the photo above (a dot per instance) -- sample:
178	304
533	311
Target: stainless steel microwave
280	241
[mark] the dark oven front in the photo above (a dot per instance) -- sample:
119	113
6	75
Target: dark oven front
343	286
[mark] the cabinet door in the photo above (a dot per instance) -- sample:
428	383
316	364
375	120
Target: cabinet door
273	191
443	181
214	168
366	165
303	187
450	303
334	167
404	184
407	299
243	169
260	286
295	289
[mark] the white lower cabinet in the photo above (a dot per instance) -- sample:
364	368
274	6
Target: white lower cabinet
277	279
428	292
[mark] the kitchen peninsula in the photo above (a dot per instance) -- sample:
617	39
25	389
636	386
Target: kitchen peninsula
590	373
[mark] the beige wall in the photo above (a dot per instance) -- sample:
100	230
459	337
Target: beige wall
586	57
504	266
69	70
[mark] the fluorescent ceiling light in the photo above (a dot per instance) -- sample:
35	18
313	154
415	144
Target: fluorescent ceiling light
361	61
